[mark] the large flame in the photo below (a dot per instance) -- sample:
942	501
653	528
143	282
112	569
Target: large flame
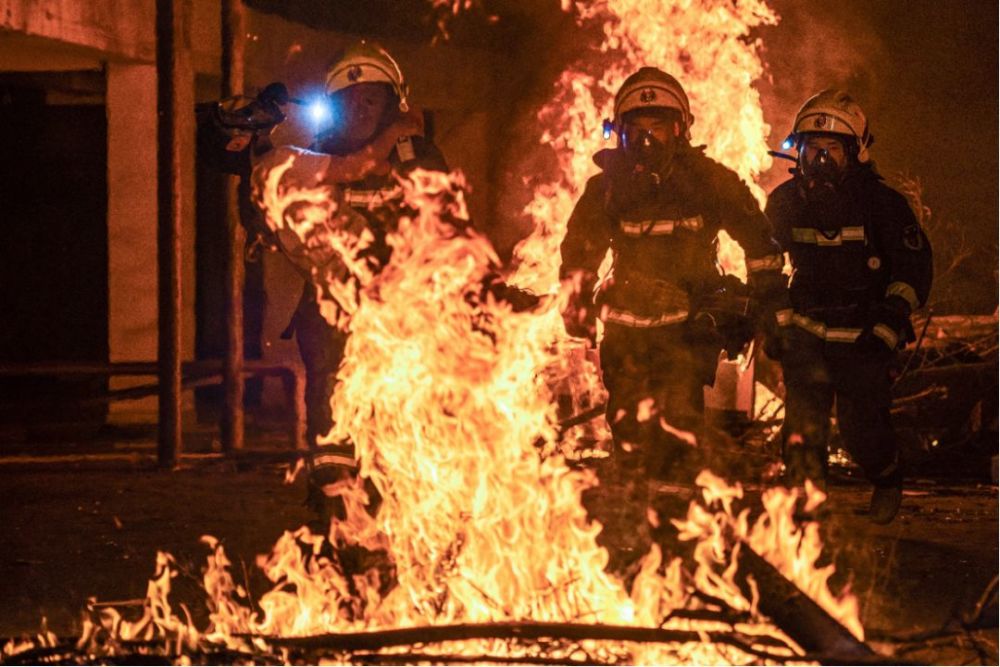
443	393
448	395
706	45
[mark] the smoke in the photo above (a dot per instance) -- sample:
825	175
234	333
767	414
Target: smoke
817	46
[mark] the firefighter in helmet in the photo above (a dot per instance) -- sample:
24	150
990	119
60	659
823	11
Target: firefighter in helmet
658	205
861	265
374	138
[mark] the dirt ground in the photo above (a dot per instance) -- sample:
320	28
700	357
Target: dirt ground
82	523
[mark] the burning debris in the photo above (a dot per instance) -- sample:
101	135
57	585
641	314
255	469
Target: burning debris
455	403
487	552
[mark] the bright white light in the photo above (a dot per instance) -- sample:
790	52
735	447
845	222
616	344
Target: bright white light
319	112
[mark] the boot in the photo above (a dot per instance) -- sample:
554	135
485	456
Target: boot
886	498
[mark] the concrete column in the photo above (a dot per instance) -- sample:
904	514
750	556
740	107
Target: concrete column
131	109
132	260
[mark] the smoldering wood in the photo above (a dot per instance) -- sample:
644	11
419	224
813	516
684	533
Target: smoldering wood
375	640
796	613
434	658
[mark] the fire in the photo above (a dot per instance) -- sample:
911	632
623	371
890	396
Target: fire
444	394
792	548
703	43
448	395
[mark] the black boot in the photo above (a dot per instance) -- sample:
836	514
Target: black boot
886	498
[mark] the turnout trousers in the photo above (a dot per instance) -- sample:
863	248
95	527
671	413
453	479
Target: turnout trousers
667	367
322	349
819	375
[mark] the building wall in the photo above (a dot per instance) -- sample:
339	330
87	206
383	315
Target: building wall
118	36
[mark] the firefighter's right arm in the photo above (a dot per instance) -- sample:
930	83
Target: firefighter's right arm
583	249
587	232
310	169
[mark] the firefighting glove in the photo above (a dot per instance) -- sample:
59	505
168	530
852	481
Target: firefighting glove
770	296
580	316
775	341
888	329
520	300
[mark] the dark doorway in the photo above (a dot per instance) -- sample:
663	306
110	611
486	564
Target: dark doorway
53	253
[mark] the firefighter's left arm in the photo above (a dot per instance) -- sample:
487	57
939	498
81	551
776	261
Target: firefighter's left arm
741	217
906	251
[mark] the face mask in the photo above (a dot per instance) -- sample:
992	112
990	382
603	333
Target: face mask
821	171
648	151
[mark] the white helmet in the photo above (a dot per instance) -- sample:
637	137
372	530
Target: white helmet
834	112
653	88
366	62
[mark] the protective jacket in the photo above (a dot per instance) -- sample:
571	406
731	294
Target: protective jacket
373	195
860	260
663	237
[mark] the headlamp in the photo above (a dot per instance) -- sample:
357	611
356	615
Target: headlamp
320	112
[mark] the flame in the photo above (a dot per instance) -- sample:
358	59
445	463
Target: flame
706	45
444	395
449	396
776	536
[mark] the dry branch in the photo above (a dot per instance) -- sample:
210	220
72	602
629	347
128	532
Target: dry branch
376	640
797	614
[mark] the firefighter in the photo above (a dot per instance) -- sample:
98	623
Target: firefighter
861	265
658	205
374	138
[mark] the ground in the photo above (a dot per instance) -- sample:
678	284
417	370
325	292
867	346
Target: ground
90	524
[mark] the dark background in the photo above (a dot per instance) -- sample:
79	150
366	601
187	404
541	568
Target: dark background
926	74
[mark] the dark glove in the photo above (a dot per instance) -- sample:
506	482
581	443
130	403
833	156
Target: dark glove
580	316
775	341
727	310
888	329
769	291
520	300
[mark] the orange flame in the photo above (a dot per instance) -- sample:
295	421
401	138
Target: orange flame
448	397
792	548
703	43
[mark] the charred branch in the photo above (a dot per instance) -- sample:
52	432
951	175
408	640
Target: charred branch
843	651
796	613
435	659
527	631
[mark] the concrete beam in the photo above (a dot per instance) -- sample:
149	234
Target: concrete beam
119	28
51	35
